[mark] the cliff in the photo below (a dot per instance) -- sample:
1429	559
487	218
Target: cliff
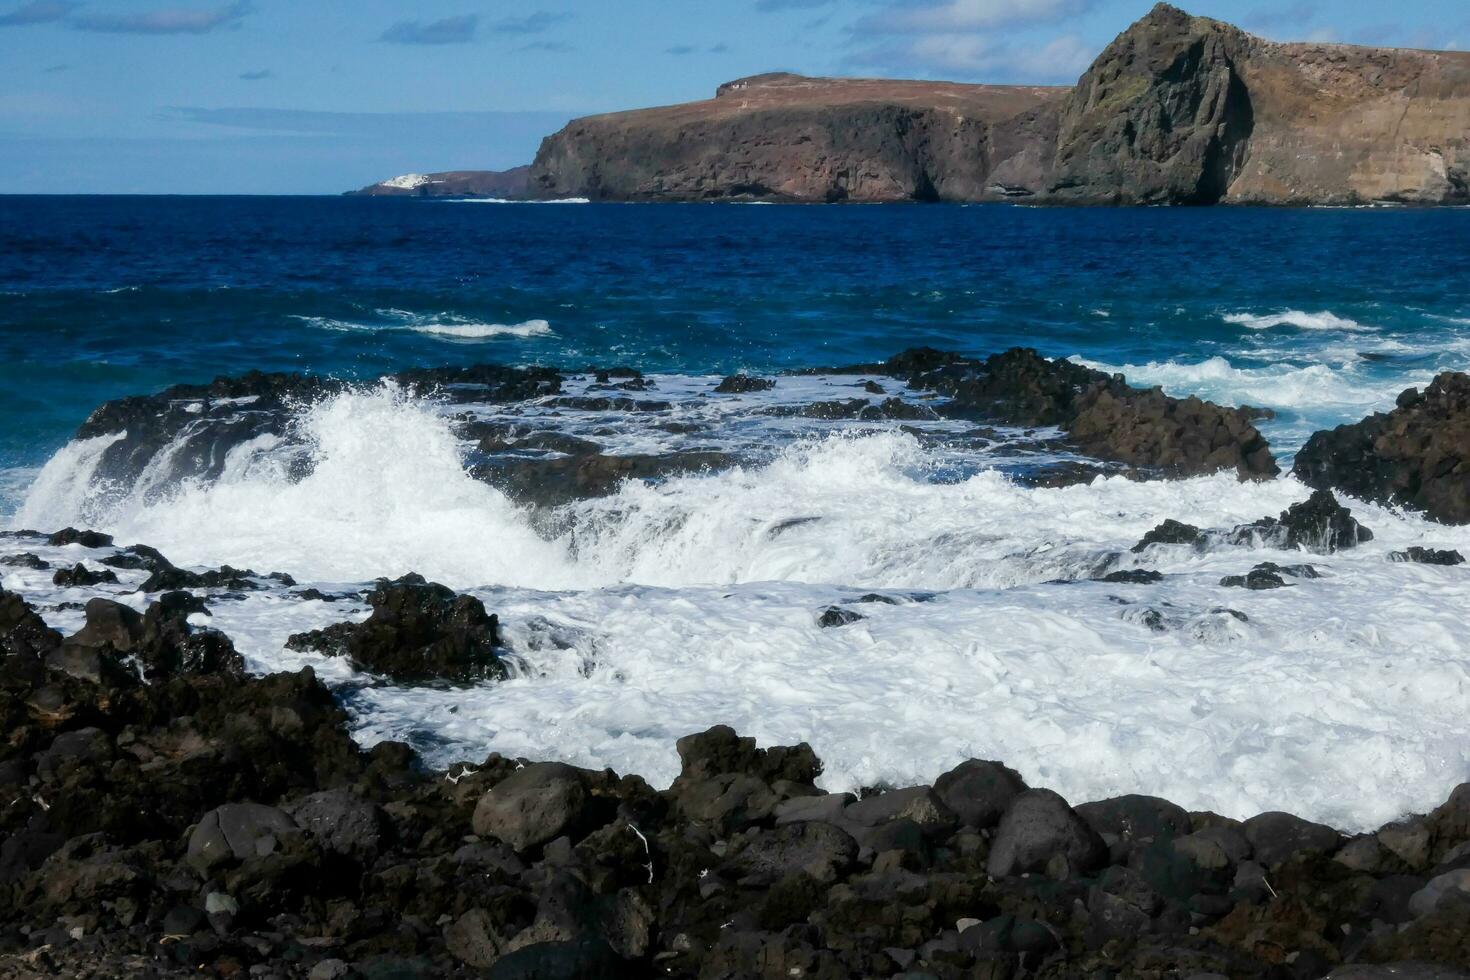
1177	110
804	139
508	184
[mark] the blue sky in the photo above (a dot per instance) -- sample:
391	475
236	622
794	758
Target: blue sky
317	96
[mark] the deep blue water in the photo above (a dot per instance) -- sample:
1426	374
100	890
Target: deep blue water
101	296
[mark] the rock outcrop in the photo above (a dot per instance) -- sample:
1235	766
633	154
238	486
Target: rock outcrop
510	185
1177	110
1416	456
206	822
787	137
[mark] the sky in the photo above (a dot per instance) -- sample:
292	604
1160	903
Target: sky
320	96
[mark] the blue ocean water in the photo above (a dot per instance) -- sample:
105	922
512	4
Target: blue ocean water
638	617
101	297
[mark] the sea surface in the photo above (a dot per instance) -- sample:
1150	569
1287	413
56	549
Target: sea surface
666	608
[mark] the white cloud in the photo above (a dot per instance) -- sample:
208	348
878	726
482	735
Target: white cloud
968	15
982	57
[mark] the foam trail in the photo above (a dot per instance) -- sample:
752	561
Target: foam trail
1296	318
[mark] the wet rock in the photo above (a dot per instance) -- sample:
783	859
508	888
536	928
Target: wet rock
1427	556
834	616
138	556
535	805
80	576
1415	456
1038	826
418	631
161	639
1276	838
1133	576
979	792
554	482
1173	532
744	384
1319	524
918	804
169	579
25	560
87	539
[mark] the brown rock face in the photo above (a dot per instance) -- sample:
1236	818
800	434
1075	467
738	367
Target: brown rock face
1177	110
806	139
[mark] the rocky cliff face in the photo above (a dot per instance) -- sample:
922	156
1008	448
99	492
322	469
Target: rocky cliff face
508	184
1177	110
805	139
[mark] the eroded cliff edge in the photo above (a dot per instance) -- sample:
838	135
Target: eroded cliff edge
1177	110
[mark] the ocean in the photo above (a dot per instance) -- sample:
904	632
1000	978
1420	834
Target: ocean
657	611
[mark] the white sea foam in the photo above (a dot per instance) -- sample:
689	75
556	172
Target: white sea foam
1296	318
669	608
443	326
482	331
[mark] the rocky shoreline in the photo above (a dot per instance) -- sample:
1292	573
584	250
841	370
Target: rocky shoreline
170	813
173	815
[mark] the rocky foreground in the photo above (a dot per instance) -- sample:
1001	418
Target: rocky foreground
169	815
1177	110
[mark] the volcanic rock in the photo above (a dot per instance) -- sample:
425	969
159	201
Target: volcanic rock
418	631
1416	456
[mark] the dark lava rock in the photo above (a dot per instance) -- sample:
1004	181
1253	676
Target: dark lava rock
1278	837
1136	820
743	384
834	616
167	578
1416	456
1133	576
237	832
1173	532
87	539
1423	556
979	792
553	482
160	640
26	560
1038	827
81	576
535	805
817	849
418	631
1318	524
1258	579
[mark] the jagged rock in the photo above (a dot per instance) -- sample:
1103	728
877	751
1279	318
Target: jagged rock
87	539
817	849
418	630
1038	826
1269	575
342	823
1415	456
80	576
26	560
744	384
1172	532
1318	524
510	185
834	616
1427	556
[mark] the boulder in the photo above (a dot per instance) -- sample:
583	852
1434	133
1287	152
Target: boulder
743	384
817	849
978	793
1134	821
1319	524
1427	556
1276	838
1037	827
342	823
535	805
237	832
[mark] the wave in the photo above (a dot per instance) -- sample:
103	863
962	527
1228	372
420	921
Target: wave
443	326
1317	389
1297	319
662	608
